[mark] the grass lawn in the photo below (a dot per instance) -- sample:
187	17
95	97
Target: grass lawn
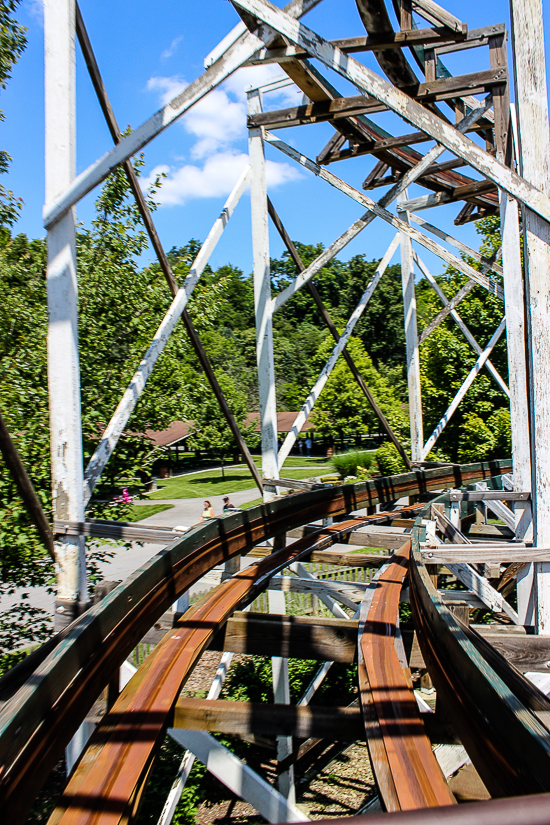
210	483
315	462
141	511
252	503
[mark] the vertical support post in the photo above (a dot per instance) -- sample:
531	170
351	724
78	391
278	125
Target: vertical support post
262	296
281	695
181	605
411	337
514	301
63	362
454	514
532	111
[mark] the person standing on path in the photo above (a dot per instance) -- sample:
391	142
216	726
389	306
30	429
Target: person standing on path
308	446
207	513
227	506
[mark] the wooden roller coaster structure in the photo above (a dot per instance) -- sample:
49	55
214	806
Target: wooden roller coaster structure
486	708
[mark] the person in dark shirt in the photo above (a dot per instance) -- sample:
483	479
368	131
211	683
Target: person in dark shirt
227	506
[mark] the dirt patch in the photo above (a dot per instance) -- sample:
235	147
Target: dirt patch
342	787
226	812
202	676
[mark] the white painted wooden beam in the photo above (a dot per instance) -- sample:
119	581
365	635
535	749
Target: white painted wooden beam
63	197
188	760
411	340
62	292
408	178
460	323
467	250
402	226
534	161
465	387
126	406
238	777
478	585
262	297
500	510
316	390
281	695
410	110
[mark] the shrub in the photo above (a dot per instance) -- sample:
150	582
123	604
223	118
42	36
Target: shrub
250	680
389	461
347	463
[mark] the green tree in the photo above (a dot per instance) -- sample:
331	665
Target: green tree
212	435
342	410
446	358
120	308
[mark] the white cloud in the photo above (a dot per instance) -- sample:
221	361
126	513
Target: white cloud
171	48
167	87
36	10
218	125
216	178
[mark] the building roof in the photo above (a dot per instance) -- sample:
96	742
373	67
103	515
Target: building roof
177	431
285	420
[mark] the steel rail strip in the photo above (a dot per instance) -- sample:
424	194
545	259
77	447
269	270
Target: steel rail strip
39	720
111	772
406	770
493	710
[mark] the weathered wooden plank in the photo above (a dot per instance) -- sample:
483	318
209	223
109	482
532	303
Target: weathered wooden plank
342	107
475	554
533	125
62	297
292	637
489	495
457	86
291	483
524	651
379	211
470	190
302	721
389	538
262	296
411	335
381	145
388	40
316	112
118	531
434	13
489	531
412	111
334	557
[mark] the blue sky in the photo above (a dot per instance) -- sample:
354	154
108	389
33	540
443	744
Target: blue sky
146	53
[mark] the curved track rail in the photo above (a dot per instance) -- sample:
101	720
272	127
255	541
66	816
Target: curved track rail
407	773
497	712
39	720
